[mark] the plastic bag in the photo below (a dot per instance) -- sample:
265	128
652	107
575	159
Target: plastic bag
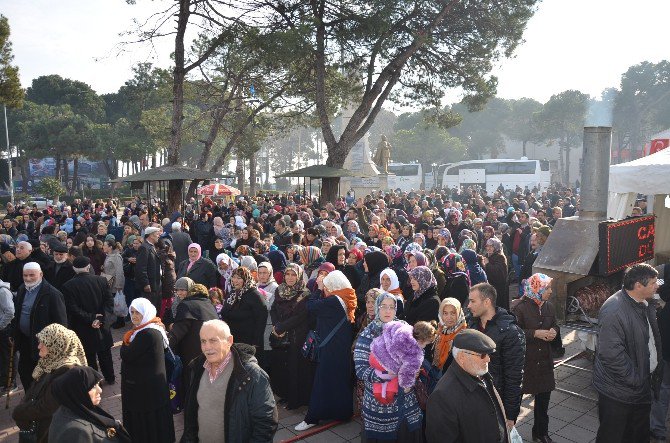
514	436
120	306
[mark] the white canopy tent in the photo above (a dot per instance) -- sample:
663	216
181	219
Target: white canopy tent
648	176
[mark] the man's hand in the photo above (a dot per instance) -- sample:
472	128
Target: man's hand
551	334
147	288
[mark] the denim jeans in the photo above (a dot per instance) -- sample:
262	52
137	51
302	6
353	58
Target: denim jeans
659	408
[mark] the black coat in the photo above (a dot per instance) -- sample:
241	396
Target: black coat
538	373
460	409
87	296
68	426
39	405
148	268
456	286
250	412
506	366
143	380
247	318
185	333
203	271
12	273
58	278
424	307
49	307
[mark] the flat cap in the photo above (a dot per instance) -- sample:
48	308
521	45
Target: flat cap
150	230
59	247
81	262
474	341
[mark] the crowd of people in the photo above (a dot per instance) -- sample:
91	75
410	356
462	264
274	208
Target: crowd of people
395	306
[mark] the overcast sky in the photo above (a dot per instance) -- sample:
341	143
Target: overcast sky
569	44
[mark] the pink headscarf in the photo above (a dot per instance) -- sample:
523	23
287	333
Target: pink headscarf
190	262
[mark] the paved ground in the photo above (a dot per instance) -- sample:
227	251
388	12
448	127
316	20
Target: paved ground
572	419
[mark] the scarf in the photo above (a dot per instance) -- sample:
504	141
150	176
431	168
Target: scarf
191	261
236	294
71	391
287	292
445	337
477	274
65	349
535	286
348	296
424	277
149	321
232	265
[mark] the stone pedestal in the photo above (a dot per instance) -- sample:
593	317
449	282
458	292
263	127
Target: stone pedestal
360	163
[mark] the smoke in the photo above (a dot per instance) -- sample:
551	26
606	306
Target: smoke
600	110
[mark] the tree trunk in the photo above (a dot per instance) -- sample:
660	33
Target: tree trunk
75	172
25	173
561	162
69	186
567	166
57	171
523	149
175	195
252	174
239	172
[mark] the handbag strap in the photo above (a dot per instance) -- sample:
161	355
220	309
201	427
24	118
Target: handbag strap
335	329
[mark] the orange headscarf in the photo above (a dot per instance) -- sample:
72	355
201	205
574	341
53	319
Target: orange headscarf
443	346
348	296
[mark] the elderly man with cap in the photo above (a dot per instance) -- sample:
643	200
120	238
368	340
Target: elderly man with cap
148	268
60	270
37	305
90	306
465	405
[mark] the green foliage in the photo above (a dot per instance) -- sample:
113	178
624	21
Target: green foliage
522	122
426	144
642	107
482	131
50	188
55	90
11	93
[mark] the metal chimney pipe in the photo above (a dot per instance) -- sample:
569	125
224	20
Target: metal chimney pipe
595	172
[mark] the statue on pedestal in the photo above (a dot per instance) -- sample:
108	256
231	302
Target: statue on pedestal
383	155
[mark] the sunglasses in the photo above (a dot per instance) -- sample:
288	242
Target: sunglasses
481	355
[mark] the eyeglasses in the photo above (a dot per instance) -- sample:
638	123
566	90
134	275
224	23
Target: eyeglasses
481	355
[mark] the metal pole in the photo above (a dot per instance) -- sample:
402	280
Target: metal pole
9	158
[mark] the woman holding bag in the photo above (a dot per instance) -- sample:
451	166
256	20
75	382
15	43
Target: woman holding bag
113	267
292	374
332	396
145	397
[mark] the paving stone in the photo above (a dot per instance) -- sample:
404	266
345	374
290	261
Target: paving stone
563	413
587	421
556	424
349	430
578	404
576	434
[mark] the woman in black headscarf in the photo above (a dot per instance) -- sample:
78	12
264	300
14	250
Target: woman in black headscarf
79	418
373	263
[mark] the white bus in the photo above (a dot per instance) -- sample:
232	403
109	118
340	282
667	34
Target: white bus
490	174
407	176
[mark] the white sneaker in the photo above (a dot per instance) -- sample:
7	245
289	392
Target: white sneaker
303	426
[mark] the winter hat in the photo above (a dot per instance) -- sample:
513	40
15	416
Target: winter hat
184	283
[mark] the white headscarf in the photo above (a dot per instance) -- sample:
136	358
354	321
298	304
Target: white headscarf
390	273
248	262
232	265
148	311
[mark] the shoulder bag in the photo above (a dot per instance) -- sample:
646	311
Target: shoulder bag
313	344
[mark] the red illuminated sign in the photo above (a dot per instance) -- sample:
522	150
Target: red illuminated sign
624	243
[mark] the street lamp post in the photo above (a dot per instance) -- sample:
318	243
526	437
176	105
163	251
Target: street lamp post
9	158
